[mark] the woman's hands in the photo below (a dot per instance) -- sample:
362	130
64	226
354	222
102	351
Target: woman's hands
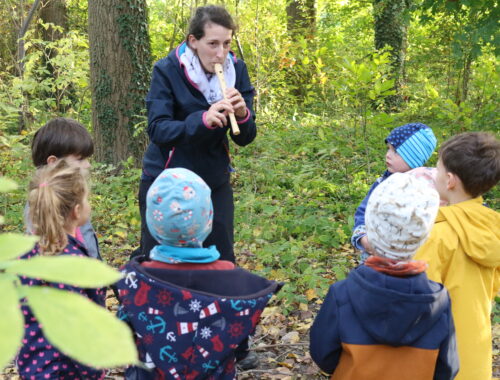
217	113
234	102
237	101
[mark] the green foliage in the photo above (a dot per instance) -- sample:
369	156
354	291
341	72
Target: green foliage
46	88
118	232
298	184
296	190
71	322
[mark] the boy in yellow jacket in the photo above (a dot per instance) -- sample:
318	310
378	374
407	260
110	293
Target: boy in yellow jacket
463	250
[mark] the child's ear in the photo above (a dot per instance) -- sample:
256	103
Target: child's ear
76	212
452	181
51	159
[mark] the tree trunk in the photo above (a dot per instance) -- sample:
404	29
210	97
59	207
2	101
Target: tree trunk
120	62
301	16
391	29
301	23
55	12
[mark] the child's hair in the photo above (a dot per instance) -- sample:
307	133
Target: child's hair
475	158
61	137
54	191
210	14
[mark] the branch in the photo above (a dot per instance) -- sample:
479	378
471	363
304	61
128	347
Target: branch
27	21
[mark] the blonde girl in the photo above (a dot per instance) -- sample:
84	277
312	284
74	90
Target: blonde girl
58	206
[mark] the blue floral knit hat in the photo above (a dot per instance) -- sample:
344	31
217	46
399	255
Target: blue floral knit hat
179	215
414	142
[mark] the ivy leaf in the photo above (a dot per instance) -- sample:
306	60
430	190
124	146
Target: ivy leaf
81	329
11	322
83	272
7	185
14	245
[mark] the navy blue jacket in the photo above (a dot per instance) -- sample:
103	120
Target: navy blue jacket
189	322
177	133
359	229
375	326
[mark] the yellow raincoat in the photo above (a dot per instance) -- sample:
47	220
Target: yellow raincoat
463	252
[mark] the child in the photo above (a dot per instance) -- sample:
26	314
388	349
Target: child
58	206
190	311
463	250
68	139
408	146
387	320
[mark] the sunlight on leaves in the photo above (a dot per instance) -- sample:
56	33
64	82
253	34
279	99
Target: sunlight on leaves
14	245
7	185
78	271
106	342
11	322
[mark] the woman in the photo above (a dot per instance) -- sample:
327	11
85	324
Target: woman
188	118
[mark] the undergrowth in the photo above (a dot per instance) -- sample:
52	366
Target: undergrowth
296	189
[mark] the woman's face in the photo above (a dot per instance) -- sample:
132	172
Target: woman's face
213	47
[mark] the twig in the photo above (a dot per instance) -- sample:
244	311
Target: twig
277	345
270	371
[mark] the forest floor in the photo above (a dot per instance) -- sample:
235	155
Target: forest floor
281	341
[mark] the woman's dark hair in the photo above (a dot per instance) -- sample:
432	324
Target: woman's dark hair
209	14
61	137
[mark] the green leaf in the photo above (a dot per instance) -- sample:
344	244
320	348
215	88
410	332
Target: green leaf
388	84
14	245
82	272
81	329
7	185
11	322
365	75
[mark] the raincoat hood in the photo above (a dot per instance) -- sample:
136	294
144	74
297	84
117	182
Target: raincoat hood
395	311
477	228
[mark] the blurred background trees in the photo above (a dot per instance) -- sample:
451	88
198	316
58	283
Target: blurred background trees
91	60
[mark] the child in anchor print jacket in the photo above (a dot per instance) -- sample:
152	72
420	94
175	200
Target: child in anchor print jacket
189	310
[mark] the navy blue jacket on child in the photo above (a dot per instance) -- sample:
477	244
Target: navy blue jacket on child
387	320
189	322
38	359
189	310
415	143
366	318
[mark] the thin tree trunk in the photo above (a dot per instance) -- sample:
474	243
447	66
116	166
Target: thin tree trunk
55	12
391	29
301	22
21	52
466	76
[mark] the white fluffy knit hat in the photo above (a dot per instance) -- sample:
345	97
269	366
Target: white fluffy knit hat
400	215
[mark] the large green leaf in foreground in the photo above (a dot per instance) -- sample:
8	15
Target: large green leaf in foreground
83	272
11	320
81	329
14	245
